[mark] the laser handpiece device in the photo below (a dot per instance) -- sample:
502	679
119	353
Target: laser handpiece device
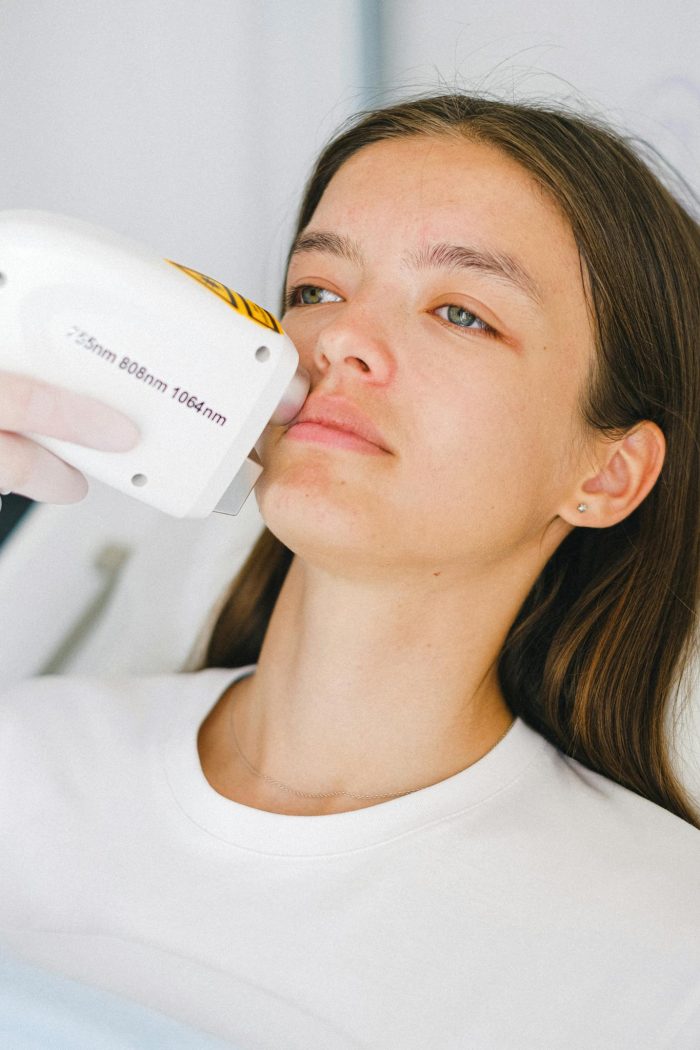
200	369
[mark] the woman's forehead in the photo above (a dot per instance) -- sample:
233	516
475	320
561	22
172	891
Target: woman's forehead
437	170
401	196
426	178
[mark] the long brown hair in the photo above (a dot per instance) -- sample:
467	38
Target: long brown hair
594	659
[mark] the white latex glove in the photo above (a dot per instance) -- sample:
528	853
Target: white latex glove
30	405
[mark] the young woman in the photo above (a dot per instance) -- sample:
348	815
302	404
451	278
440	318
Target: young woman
419	791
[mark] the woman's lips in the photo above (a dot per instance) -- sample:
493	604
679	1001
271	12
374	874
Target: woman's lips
325	434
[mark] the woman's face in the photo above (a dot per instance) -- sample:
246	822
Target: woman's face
438	291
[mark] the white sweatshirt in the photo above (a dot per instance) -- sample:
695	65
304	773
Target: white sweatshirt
525	903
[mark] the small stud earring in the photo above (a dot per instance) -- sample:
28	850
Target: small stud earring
582	507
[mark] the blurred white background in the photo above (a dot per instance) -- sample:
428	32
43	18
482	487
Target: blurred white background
191	127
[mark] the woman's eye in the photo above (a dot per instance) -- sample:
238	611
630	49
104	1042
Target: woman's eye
315	295
462	318
309	295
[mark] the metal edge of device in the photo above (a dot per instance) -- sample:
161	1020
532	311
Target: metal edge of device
288	407
240	488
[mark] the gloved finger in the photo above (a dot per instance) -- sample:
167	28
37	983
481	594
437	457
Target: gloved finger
30	470
30	406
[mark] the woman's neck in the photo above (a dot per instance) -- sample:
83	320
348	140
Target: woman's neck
368	689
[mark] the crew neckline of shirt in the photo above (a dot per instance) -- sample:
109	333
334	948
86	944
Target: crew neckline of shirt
306	836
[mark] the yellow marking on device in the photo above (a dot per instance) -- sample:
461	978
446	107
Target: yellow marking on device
239	303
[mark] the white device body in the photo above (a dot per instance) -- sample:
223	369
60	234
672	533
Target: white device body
198	368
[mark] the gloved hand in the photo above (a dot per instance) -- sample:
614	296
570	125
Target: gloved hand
30	405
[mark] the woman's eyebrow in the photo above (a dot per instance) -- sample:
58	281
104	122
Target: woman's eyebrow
432	256
332	243
492	263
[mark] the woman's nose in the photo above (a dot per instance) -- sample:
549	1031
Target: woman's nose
354	342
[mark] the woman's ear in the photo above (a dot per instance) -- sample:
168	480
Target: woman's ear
631	466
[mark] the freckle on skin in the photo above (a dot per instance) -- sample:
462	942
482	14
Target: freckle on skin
436	574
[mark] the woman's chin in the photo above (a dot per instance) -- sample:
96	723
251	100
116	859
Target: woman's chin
316	519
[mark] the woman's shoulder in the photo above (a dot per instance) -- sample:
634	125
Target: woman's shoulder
75	688
596	804
61	735
629	863
55	689
627	834
627	811
48	708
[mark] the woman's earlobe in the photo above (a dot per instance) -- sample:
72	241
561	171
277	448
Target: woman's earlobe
633	464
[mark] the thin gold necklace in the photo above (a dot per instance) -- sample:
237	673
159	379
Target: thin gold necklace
336	794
